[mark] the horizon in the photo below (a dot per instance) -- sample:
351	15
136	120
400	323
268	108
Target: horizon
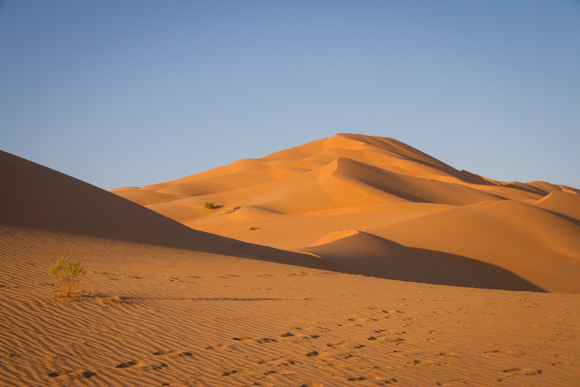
132	94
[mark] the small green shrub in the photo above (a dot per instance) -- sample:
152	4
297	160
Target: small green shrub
208	205
67	276
252	228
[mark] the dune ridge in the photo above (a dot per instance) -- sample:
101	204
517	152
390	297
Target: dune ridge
395	192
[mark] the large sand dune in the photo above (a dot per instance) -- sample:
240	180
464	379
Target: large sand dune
286	304
512	235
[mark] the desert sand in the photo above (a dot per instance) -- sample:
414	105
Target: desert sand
371	263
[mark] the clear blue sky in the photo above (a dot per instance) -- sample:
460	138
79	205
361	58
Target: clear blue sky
130	93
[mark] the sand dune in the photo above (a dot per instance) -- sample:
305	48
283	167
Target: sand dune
528	231
40	201
326	290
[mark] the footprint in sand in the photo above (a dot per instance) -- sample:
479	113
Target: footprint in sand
366	377
218	346
337	345
301	274
264	384
172	353
233	372
501	351
279	361
316	353
451	382
71	374
421	363
113	300
362	319
518	371
299	336
382	367
523	370
254	340
277	372
141	365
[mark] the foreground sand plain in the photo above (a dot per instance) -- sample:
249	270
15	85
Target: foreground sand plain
170	305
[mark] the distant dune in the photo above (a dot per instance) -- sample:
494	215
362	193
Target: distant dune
504	235
349	261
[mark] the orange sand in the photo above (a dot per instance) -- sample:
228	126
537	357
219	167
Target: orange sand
465	280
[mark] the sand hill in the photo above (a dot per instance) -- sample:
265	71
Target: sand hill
344	281
476	231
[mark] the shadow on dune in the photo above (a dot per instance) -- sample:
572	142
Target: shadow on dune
484	275
37	198
357	252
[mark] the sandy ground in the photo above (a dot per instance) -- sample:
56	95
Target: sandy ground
360	288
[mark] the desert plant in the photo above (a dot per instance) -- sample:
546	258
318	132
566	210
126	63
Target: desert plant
67	276
252	228
208	205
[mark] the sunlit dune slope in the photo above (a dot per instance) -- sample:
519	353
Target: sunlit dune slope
506	235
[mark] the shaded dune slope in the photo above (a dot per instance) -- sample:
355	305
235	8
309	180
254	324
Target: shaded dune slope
521	235
371	255
42	209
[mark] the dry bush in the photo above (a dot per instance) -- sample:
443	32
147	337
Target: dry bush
67	276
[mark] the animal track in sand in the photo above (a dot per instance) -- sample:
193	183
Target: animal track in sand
71	374
254	340
172	353
141	365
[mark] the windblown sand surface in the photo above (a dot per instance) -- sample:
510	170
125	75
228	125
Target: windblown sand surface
283	305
